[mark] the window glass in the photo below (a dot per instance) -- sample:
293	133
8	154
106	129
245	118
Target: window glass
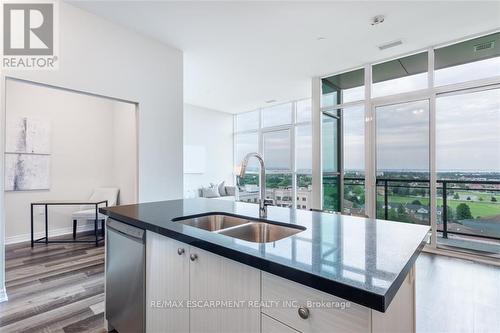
403	139
247	143
400	75
330	165
304	191
468	133
470	60
468	151
303	111
403	162
247	121
330	192
248	187
279	189
277	115
354	140
343	88
354	159
330	144
277	150
303	146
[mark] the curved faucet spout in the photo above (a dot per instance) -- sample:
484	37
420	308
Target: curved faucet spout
263	203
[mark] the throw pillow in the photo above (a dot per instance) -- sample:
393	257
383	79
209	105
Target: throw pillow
221	187
230	191
210	192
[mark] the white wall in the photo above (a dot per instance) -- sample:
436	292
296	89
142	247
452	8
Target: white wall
92	145
124	152
212	130
99	57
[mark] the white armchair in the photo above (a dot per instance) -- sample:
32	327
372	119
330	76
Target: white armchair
87	213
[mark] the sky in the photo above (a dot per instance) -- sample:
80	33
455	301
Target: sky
467	134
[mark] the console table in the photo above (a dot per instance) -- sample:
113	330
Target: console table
48	203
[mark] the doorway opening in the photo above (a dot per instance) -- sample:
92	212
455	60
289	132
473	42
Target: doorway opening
64	145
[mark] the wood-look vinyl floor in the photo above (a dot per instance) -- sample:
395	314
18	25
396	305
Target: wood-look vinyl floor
54	288
60	288
455	295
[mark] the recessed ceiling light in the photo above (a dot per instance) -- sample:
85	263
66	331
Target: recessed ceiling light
271	101
377	19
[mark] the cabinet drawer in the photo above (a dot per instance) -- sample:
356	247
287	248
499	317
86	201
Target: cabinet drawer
323	312
269	325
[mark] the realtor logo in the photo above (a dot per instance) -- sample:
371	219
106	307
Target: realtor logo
29	35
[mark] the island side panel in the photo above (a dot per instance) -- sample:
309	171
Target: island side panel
400	316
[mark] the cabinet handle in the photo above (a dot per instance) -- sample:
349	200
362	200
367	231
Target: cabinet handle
180	251
303	312
193	257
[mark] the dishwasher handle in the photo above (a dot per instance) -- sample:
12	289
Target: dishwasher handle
126	230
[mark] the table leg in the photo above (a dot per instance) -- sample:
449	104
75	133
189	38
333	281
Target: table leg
46	224
95	225
32	238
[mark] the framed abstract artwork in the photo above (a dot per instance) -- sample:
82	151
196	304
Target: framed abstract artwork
27	154
28	136
26	172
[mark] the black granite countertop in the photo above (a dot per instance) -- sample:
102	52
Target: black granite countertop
362	260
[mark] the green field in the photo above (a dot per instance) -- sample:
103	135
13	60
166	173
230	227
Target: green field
478	208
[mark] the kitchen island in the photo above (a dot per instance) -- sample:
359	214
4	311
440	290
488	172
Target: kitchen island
337	273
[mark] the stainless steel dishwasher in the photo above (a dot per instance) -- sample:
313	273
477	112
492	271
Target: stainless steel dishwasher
125	277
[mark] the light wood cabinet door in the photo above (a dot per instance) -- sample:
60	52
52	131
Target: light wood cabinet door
217	279
167	285
270	325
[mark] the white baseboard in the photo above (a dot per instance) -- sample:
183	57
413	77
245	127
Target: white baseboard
52	233
3	295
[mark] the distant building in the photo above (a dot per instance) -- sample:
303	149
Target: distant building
282	197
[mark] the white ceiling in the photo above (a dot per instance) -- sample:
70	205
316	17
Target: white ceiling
237	55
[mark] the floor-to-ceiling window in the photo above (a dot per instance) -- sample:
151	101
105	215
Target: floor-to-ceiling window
342	108
402	162
468	165
423	144
283	135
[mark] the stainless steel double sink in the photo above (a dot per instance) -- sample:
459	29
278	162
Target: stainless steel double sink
241	228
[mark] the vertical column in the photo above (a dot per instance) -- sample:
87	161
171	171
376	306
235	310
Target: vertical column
444	213
432	150
3	294
386	200
340	158
317	174
293	151
235	162
32	231
95	224
370	146
46	224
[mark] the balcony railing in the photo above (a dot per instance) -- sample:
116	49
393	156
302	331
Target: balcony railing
481	195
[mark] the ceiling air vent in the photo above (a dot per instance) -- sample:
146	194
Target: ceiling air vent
389	45
484	46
